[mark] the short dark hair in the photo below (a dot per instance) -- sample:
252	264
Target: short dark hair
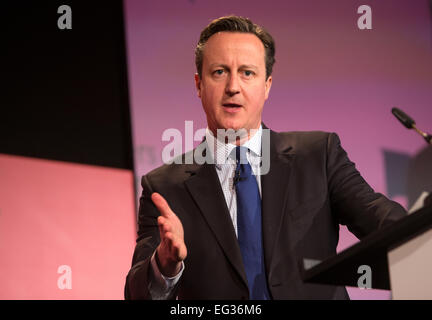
236	24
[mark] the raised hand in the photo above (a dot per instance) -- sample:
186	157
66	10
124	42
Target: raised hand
172	248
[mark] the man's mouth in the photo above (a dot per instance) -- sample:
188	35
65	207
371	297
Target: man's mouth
231	105
232	108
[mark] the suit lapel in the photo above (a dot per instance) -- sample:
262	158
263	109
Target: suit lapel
205	189
275	185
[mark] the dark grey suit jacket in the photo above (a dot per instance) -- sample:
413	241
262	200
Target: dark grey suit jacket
311	188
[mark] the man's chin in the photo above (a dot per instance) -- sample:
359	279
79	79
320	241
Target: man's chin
232	131
239	130
232	125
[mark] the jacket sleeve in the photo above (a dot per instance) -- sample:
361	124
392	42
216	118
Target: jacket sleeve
137	280
141	273
354	203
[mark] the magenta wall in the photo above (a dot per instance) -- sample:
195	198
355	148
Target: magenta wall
329	75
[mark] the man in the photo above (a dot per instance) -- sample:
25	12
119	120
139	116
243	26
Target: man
226	231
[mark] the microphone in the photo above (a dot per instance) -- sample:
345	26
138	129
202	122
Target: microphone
409	123
237	176
406	120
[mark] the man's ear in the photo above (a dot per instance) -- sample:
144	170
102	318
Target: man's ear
198	84
268	84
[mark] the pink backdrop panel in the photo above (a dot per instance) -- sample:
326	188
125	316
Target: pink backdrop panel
56	213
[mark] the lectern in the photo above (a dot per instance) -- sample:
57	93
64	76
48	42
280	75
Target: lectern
399	257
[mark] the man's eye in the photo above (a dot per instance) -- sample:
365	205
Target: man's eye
248	73
219	72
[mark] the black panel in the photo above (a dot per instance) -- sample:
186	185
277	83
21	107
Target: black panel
65	94
341	269
396	169
419	176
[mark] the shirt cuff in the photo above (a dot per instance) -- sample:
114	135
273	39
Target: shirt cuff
161	286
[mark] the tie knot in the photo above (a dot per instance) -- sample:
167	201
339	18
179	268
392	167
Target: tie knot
241	154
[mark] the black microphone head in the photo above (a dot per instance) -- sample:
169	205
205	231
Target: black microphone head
403	118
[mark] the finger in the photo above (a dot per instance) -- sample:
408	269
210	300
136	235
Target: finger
167	241
178	248
172	238
161	223
169	238
175	246
161	220
163	233
166	228
164	224
172	241
161	204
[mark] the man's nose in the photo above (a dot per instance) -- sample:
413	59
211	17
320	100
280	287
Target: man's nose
233	85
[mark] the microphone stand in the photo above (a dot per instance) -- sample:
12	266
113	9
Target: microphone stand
409	123
426	136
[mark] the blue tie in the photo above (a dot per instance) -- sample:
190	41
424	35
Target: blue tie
249	226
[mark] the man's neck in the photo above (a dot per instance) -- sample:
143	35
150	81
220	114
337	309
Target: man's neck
241	136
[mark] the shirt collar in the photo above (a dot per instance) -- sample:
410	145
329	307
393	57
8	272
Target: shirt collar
223	150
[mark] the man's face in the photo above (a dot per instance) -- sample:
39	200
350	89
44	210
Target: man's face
233	85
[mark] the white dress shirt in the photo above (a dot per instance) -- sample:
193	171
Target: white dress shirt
222	153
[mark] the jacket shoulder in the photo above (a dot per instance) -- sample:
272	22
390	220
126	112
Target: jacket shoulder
169	174
302	141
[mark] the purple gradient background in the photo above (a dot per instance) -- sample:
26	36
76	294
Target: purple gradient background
329	75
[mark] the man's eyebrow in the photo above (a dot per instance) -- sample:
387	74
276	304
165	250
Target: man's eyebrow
248	66
219	65
243	66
